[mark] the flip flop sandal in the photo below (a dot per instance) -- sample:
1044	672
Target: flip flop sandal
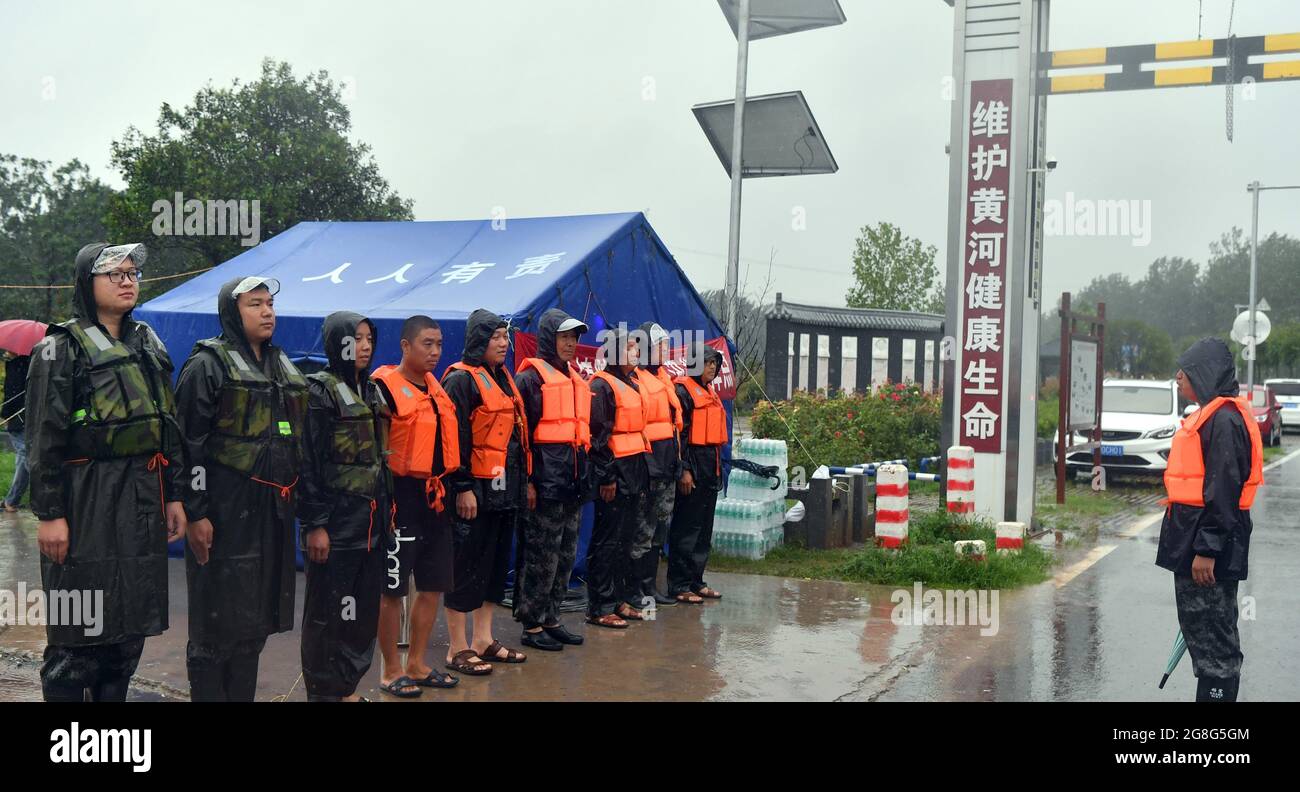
460	662
492	654
630	613
688	597
708	593
608	620
437	679
395	688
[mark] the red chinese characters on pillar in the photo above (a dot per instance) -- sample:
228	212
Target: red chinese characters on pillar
984	279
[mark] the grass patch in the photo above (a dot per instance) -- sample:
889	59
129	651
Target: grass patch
928	558
7	467
1273	452
921	487
1083	509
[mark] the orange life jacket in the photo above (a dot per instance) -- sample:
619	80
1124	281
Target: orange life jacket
1185	474
566	406
709	422
628	435
411	430
493	421
663	416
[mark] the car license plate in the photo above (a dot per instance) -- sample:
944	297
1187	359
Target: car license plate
1112	450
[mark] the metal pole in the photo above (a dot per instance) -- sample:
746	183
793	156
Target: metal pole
1063	435
1099	330
1253	187
732	291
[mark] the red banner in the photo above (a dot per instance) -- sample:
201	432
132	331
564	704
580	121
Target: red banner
988	181
588	362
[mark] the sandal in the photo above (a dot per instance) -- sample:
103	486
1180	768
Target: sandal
493	652
608	620
461	662
437	679
629	613
397	688
708	593
692	598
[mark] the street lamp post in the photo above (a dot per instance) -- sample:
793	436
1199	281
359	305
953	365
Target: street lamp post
1254	188
773	18
731	297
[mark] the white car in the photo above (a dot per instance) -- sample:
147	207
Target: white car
1287	392
1138	421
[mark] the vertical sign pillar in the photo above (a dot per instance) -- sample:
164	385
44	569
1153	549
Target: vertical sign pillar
990	401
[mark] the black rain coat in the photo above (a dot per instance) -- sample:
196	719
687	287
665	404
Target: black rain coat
464	394
246	590
1218	530
349	519
117	534
703	462
630	473
560	472
665	457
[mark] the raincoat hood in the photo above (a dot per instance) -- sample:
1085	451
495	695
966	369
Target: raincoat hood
651	331
1209	366
83	291
336	329
232	324
548	327
698	356
613	350
479	328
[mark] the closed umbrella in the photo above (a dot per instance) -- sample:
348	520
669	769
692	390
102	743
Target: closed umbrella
20	335
1180	648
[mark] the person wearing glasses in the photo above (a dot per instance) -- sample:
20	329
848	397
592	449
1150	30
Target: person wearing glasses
107	474
243	407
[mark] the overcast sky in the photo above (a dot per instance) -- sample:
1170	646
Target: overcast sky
542	108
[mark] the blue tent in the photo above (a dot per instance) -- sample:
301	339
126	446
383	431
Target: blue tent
605	269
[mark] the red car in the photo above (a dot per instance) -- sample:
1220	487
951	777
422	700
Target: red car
1268	414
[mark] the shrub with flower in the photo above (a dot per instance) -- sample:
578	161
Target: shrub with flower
898	420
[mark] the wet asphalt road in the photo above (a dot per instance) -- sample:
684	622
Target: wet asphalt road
1101	630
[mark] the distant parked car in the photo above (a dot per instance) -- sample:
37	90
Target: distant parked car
1287	392
1268	414
1138	421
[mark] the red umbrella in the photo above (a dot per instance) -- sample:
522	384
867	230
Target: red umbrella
20	335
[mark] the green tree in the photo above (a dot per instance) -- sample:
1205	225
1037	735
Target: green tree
45	218
1279	355
894	271
1122	298
279	140
1226	281
1136	349
1170	296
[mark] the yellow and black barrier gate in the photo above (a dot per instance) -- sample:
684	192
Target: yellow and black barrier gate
1222	61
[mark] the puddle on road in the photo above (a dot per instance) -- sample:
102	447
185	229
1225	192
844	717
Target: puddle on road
19	682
